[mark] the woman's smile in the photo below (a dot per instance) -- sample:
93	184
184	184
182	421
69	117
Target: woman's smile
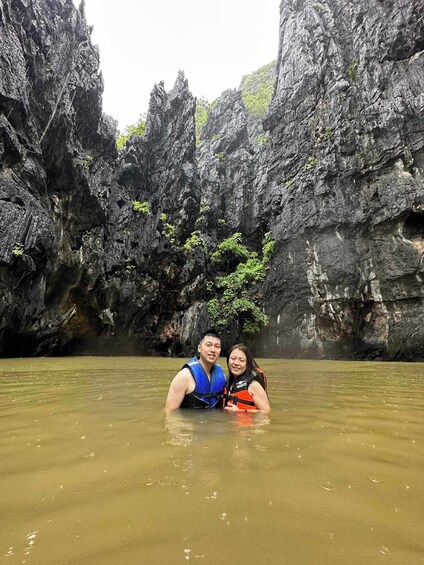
237	362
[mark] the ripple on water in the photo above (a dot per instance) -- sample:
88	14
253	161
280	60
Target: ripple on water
333	472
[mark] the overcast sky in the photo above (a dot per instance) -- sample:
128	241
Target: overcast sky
142	42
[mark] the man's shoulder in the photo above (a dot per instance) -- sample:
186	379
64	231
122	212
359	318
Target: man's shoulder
191	362
184	374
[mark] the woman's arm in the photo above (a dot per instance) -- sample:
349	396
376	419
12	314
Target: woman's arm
260	397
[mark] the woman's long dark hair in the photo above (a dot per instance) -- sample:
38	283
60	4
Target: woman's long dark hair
251	364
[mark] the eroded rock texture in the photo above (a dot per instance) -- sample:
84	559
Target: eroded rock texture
339	182
345	180
80	270
48	76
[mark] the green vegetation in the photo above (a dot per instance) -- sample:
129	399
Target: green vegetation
204	207
141	207
312	161
352	70
328	133
317	6
235	300
289	183
87	162
195	240
262	139
268	245
168	229
230	247
18	249
200	116
201	220
137	128
257	89
220	155
129	266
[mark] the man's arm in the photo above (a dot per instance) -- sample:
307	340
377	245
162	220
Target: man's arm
179	387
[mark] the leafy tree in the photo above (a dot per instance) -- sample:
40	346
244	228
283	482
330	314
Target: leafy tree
257	89
230	248
138	128
236	298
195	240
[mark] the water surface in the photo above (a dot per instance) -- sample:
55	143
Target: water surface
93	472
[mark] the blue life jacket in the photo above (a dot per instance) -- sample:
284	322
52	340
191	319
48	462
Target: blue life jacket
208	391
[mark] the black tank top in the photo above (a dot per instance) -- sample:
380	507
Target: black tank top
190	401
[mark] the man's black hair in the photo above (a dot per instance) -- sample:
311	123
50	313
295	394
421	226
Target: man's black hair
211	333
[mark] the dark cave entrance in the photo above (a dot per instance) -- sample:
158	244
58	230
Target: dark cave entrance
413	226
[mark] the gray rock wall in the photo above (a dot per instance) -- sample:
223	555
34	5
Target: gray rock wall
345	180
80	269
48	74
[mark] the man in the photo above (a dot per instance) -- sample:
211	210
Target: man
201	382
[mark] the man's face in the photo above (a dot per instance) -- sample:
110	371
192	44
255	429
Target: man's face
209	349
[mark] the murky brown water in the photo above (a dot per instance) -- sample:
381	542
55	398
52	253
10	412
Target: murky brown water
92	472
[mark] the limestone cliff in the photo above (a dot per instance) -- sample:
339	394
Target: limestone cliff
339	182
48	79
345	183
80	270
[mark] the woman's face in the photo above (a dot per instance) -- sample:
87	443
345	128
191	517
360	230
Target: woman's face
237	362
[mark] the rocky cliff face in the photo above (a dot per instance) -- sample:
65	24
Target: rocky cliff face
80	269
48	75
345	180
339	182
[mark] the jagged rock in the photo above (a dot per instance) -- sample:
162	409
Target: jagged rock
345	178
336	175
193	324
48	74
227	169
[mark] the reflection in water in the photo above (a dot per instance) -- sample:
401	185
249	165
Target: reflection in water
180	429
93	472
246	420
185	426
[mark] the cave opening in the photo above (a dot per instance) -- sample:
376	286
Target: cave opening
413	226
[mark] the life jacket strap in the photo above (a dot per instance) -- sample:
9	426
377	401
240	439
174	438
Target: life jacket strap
208	394
236	400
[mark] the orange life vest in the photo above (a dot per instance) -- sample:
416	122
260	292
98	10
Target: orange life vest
238	393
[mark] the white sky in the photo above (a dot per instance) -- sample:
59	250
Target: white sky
142	42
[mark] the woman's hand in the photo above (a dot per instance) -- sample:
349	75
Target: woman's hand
230	407
233	408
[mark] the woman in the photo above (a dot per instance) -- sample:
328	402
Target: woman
246	388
